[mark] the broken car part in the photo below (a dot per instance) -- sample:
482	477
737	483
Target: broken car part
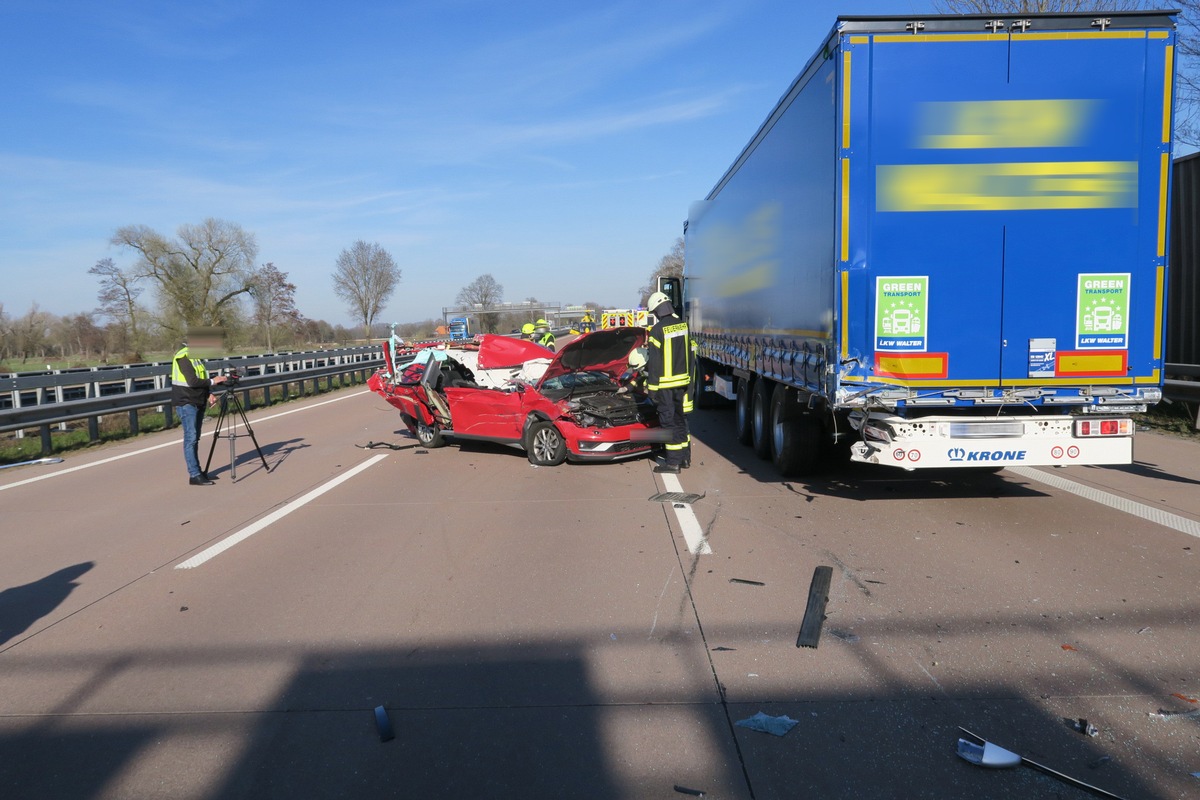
982	753
814	614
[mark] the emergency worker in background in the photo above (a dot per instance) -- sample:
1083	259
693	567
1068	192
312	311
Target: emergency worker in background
190	394
668	375
588	323
527	331
543	335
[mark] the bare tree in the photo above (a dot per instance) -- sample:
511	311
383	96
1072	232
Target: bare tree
1035	6
200	275
118	297
274	301
669	266
482	294
31	333
365	277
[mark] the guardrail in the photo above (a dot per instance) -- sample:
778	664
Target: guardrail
1181	390
148	386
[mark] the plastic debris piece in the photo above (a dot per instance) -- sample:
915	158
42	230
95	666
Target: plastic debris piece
1069	647
1184	697
1143	630
980	751
845	636
1081	725
723	649
776	726
384	724
747	582
686	790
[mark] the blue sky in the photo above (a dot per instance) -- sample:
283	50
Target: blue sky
554	145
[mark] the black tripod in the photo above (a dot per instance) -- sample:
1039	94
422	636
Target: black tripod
229	399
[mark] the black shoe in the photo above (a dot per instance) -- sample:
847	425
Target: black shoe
670	469
199	480
208	477
687	463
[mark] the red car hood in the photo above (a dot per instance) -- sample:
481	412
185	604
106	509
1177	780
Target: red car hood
605	350
498	352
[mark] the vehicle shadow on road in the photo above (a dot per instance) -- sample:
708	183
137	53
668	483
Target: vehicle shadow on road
21	606
1144	469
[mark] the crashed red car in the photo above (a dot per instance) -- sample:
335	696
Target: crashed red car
569	406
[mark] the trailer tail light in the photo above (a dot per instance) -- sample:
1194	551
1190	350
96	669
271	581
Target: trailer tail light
1103	427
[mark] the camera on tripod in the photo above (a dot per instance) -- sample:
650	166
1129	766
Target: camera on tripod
232	375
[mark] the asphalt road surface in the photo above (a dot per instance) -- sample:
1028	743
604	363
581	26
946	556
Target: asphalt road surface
555	633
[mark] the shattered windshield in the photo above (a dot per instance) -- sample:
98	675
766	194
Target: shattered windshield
571	382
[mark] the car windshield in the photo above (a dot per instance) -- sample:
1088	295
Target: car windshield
571	382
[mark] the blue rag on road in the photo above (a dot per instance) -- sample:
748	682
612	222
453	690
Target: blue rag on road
778	726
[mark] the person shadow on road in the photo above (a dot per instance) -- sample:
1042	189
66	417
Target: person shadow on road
21	606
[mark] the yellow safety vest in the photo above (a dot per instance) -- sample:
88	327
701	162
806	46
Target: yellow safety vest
177	377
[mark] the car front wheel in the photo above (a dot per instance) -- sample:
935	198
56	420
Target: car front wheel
544	444
429	436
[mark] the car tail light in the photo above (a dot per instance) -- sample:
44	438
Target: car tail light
1103	427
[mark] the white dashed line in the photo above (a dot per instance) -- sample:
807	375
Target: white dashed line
274	516
1165	518
693	534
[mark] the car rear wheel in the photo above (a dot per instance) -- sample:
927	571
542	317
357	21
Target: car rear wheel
544	444
429	436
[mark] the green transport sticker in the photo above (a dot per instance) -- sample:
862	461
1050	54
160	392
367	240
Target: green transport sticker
901	313
1102	312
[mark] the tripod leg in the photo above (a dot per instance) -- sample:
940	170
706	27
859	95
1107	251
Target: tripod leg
242	413
216	433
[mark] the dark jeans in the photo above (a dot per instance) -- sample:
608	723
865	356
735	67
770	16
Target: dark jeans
669	403
190	419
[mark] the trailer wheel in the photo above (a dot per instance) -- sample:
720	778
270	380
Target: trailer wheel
761	417
795	437
745	427
544	444
429	436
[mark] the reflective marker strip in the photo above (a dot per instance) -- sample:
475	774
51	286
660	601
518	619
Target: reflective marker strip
275	516
1156	515
692	532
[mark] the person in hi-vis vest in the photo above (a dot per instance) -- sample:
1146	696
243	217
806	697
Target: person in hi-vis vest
191	393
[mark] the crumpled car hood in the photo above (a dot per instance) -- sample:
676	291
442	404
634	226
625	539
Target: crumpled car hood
604	350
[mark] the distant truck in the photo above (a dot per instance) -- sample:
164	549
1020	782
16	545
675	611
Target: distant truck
460	329
946	246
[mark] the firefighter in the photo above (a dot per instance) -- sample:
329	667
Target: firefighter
543	335
527	331
588	323
668	376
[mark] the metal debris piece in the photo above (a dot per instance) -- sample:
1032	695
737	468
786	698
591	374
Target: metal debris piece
748	583
384	724
692	792
1162	713
389	445
723	649
814	614
675	497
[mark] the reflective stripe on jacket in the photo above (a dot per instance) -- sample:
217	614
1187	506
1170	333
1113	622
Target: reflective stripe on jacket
188	389
669	357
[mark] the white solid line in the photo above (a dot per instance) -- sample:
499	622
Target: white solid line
1165	518
693	534
274	516
172	443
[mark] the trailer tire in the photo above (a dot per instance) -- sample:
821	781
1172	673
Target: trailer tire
760	404
743	424
795	436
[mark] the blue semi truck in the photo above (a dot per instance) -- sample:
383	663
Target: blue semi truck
946	246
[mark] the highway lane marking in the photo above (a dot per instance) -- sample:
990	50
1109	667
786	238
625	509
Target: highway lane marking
693	534
275	516
172	443
1165	518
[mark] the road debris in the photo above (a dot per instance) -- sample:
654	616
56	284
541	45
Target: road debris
814	614
776	726
1081	725
34	461
747	582
383	724
1162	713
675	497
389	445
982	753
692	792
